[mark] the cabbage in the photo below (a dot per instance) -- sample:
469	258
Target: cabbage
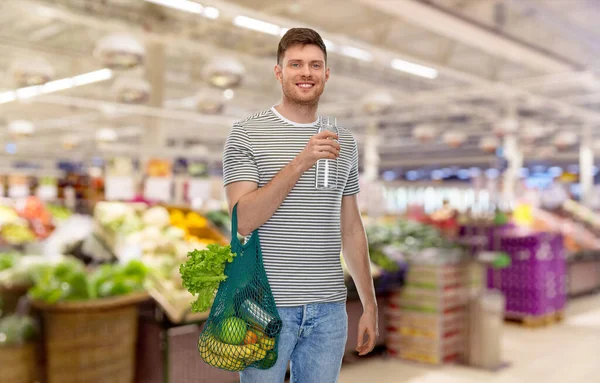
156	216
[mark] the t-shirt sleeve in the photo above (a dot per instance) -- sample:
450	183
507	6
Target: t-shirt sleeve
238	158
352	186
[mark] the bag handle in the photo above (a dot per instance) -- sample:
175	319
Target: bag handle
234	227
234	221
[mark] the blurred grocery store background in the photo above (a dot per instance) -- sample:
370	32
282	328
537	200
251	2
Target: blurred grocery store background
478	125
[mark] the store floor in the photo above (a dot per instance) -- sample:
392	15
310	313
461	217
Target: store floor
566	352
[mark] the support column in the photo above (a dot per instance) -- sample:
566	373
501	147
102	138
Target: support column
512	154
586	165
371	155
155	66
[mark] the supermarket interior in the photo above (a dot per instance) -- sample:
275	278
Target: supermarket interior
477	124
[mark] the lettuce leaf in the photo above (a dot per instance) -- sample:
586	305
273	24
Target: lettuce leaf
202	273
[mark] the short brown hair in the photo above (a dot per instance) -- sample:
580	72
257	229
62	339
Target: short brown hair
299	36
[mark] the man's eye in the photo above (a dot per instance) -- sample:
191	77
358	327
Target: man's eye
295	65
316	66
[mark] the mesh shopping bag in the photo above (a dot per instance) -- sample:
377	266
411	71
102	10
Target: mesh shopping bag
243	327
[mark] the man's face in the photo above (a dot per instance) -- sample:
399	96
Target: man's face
302	74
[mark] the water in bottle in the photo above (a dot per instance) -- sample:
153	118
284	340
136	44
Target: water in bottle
327	169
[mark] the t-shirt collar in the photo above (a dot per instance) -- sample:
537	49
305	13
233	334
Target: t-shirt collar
312	124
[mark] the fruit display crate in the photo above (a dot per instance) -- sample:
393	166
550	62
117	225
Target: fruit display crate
535	283
425	320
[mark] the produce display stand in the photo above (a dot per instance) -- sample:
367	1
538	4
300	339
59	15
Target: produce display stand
425	319
10	296
209	231
19	363
168	351
91	341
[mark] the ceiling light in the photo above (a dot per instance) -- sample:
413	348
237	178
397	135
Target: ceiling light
89	78
506	127
454	138
257	25
283	31
7	97
224	72
356	53
31	71
55	86
377	101
563	140
132	90
424	133
489	144
106	135
70	141
21	128
329	45
228	94
211	13
30	91
210	101
120	50
416	69
181	5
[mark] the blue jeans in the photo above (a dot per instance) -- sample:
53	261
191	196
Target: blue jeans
313	340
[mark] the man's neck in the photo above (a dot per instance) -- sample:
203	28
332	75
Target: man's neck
301	114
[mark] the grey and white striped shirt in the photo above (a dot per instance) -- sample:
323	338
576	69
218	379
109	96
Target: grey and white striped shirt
301	242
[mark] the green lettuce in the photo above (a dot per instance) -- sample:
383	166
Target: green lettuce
202	273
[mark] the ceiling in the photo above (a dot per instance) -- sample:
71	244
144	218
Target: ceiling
533	59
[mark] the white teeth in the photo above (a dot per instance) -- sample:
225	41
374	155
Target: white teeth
305	85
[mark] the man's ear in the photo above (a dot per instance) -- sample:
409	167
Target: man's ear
327	73
278	73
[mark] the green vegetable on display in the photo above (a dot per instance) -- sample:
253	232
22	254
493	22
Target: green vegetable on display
66	281
202	273
111	280
69	281
16	330
7	261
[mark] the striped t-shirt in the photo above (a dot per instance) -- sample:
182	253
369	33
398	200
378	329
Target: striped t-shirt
301	242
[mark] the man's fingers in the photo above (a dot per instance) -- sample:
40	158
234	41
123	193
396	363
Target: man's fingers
372	340
368	346
359	341
327	134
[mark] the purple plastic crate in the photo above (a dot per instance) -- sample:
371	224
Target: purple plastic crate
530	301
535	283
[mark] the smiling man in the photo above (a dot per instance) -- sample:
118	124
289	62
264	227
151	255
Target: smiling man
269	172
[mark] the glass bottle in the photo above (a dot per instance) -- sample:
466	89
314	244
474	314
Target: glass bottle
327	169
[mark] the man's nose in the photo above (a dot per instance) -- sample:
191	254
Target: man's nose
306	70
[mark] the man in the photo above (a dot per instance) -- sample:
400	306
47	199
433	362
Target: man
269	171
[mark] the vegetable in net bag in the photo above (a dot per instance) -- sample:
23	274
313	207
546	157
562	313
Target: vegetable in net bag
243	327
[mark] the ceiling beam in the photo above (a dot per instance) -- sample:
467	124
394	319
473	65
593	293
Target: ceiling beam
441	21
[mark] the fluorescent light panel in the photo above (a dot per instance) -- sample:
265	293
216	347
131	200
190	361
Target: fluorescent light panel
28	92
356	53
92	77
416	69
329	45
181	5
257	25
56	85
7	97
211	13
